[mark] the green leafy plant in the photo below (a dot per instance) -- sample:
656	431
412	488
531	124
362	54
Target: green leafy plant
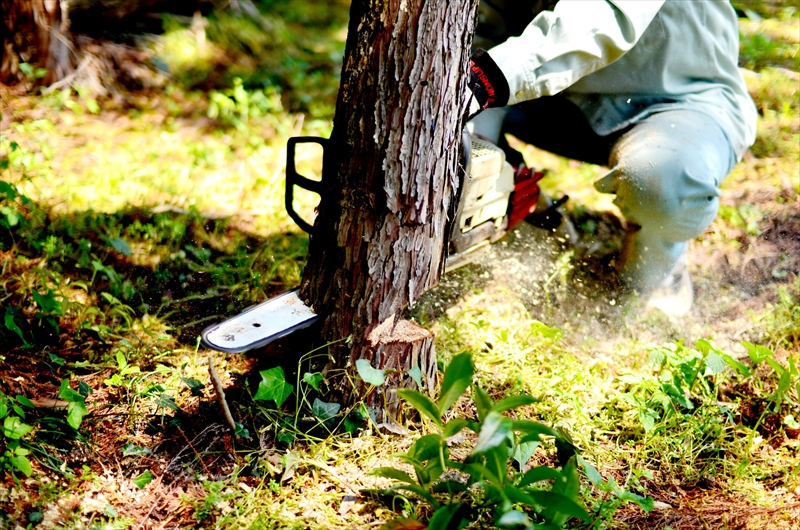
311	416
484	480
124	373
76	404
682	380
237	105
786	389
14	456
273	386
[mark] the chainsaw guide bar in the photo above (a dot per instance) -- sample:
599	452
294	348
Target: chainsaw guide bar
493	197
260	325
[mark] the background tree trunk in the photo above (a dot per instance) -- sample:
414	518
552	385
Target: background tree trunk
390	177
38	32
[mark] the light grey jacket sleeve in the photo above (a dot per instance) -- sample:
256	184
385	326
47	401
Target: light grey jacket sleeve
574	40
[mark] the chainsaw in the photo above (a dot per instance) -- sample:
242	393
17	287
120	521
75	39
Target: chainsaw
494	197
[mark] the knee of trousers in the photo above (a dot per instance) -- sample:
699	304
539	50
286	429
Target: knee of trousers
666	179
665	199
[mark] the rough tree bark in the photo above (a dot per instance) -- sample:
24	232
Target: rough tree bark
390	177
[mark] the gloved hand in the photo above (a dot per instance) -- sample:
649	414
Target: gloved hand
487	86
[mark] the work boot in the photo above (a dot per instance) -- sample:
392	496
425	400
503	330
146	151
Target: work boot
674	296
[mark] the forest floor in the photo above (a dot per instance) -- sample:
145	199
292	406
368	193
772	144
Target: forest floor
130	220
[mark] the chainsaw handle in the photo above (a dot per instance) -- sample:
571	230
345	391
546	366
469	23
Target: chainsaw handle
293	178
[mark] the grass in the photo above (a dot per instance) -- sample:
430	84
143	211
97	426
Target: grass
129	223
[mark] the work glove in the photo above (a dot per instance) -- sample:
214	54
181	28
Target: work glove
487	86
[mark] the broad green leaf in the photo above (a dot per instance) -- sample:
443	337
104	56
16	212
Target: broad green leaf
11	325
545	330
449	517
426	447
130	449
454	426
286	437
368	374
513	402
3	406
784	384
313	379
705	346
715	363
494	432
55	359
122	362
84	389
537	474
533	427
9	190
196	387
522	452
569	487
593	475
776	366
656	358
355	421
76	410
757	353
121	246
12	219
93	107
741	368
415	373
422	403
479	472
482	402
108	271
390	472
14	429
569	484
457	378
144	479
165	401
559	504
241	431
496	461
25	402
645	503
22	464
325	411
431	472
648	419
273	386
48	302
514	518
519	496
155	389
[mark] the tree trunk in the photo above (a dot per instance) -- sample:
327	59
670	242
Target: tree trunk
37	32
390	177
